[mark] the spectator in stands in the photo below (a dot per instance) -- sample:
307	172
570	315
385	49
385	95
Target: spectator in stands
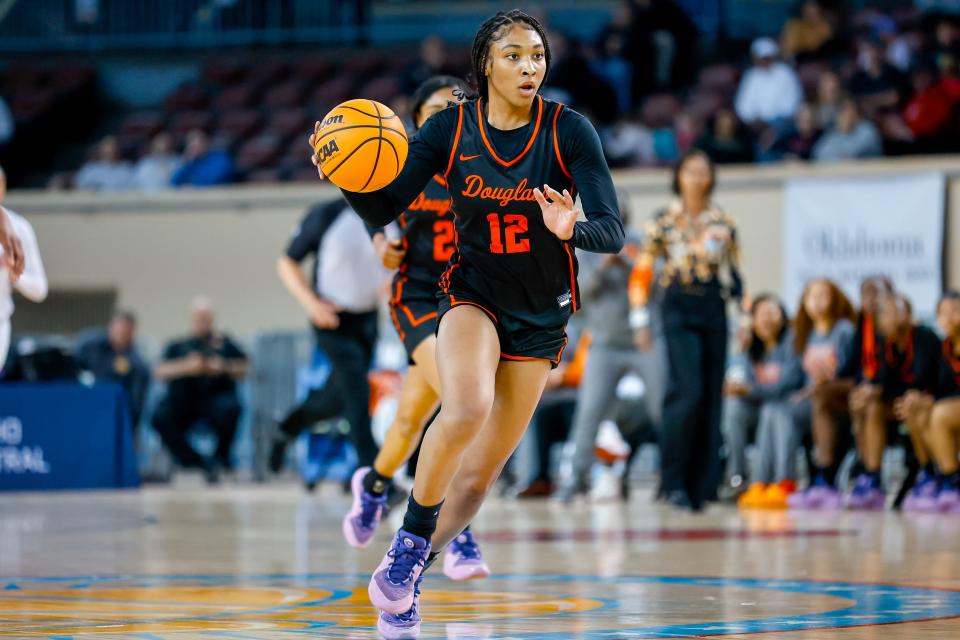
113	356
946	42
552	420
797	142
202	166
757	390
944	427
823	329
770	90
909	361
876	85
201	371
671	37
154	170
603	283
107	171
930	108
589	93
829	98
852	137
726	140
807	34
612	65
628	143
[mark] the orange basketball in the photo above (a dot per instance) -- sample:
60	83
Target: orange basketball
361	145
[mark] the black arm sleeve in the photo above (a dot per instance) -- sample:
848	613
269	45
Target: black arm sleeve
428	154
581	151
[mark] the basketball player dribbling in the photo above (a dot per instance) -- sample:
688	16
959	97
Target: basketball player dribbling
420	258
508	290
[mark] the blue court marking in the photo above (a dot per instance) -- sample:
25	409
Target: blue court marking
872	604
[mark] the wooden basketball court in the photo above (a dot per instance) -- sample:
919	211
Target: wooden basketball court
265	562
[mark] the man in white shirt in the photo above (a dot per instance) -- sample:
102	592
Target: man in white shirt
770	90
20	267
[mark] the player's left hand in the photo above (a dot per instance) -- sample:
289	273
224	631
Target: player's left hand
313	156
559	214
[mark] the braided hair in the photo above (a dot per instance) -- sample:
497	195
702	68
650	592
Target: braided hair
492	30
430	87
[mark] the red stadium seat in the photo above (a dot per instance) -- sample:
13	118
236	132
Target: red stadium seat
332	93
144	124
184	121
719	78
286	94
314	69
658	110
269	71
189	95
257	152
241	123
383	89
240	96
703	105
288	123
224	72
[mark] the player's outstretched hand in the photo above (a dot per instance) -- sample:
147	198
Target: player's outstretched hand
313	156
559	214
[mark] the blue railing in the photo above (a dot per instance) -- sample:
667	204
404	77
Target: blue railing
97	25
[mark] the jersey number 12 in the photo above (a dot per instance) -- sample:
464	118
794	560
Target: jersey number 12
513	225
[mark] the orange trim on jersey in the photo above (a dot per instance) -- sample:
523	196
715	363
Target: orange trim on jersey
440	180
507	356
573	277
456	303
456	141
396	323
397	303
556	143
483	134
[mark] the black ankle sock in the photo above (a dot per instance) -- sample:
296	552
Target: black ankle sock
466	529
375	483
829	475
930	470
420	520
952	480
431	559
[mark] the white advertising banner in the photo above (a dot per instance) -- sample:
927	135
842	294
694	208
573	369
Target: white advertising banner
847	229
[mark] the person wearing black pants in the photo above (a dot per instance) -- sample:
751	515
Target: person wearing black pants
201	371
697	246
341	303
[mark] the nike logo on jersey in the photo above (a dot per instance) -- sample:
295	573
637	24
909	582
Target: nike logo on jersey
564	300
464	158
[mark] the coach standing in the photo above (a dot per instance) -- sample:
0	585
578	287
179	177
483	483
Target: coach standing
342	306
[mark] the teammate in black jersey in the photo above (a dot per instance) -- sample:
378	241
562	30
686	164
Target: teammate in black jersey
512	161
420	257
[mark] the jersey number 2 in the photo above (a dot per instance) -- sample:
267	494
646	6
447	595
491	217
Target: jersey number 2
443	238
513	226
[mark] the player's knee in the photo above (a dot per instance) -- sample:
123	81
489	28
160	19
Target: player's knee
407	425
941	417
468	414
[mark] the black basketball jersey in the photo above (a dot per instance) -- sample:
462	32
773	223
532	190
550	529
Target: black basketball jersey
504	250
429	234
